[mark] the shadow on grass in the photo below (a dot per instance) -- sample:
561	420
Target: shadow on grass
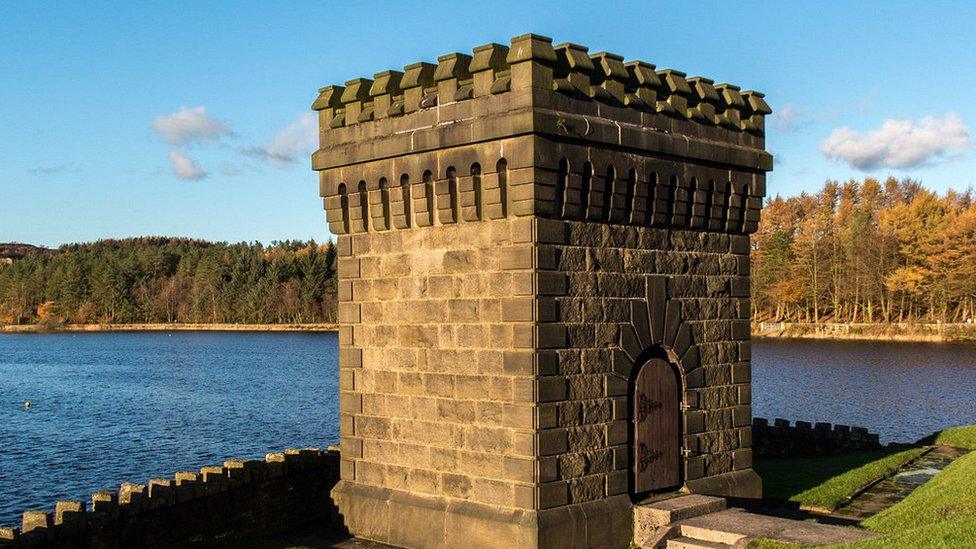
785	478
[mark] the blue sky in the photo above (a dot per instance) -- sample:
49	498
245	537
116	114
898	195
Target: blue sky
191	119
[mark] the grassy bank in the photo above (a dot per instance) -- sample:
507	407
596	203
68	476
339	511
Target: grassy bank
868	331
174	327
824	483
940	513
960	437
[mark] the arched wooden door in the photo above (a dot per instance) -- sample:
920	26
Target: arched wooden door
656	452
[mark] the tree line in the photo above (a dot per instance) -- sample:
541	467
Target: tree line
162	280
857	251
866	251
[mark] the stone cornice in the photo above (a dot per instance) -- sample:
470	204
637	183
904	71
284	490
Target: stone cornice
447	129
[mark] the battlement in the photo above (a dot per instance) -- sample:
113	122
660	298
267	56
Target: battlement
532	62
232	501
807	439
460	141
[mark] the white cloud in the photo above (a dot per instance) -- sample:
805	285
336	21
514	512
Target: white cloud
899	143
189	126
790	118
185	168
785	118
296	140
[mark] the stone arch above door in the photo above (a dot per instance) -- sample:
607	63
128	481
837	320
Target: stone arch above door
658	329
657	322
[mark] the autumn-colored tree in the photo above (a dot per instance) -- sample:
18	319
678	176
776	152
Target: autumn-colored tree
867	251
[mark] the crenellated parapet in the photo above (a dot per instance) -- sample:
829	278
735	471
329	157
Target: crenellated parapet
219	504
458	142
532	62
783	440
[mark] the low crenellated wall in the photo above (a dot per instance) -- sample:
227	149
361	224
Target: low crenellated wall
782	440
242	499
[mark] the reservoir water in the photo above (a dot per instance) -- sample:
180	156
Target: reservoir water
114	407
902	391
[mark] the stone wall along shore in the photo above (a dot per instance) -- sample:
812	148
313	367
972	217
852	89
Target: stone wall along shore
782	440
239	500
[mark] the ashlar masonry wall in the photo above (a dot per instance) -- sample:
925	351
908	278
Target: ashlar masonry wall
439	395
609	273
617	290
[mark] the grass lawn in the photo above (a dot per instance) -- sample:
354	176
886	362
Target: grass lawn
763	543
940	514
825	482
960	437
949	495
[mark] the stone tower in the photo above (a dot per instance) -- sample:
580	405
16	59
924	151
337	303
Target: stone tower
544	293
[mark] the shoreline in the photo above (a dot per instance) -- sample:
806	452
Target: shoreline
908	333
174	327
894	332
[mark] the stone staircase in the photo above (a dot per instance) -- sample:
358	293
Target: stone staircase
704	522
660	524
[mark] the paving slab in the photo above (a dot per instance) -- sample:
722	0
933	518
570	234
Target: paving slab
753	525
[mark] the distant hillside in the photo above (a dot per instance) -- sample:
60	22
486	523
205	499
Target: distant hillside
168	280
16	251
145	241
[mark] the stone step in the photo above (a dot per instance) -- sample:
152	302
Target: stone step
669	511
652	519
710	534
692	543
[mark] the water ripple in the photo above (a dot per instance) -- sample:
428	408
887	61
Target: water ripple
110	408
902	391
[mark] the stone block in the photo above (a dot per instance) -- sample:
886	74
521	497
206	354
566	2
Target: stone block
742	459
9	536
744	484
742	416
552	441
364	509
552	494
107	502
651	516
694	421
70	517
162	491
521	309
587	488
132	497
39	522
